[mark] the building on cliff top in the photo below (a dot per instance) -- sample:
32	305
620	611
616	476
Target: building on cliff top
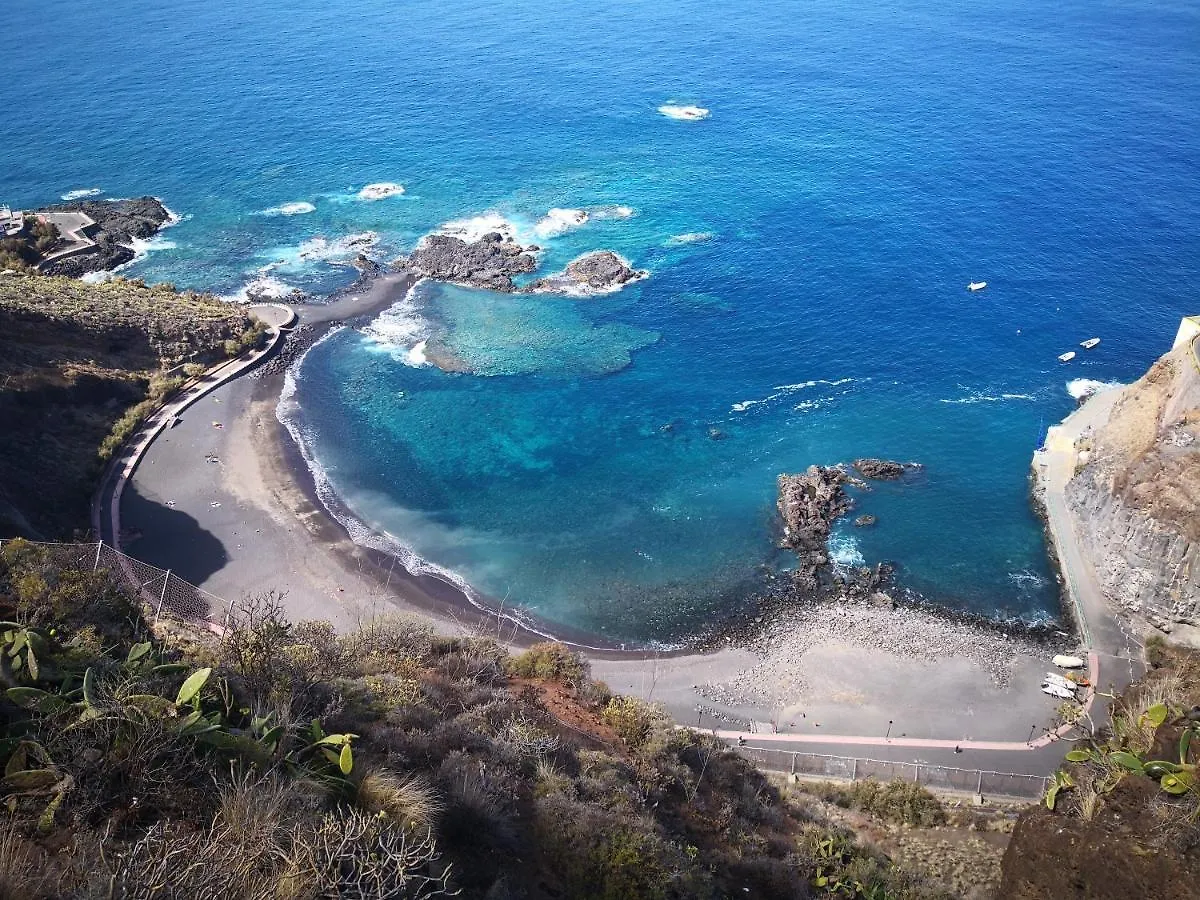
12	223
1189	327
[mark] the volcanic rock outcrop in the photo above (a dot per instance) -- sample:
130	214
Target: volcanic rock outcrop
881	469
592	273
118	223
490	262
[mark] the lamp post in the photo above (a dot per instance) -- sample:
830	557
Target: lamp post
1032	729
887	737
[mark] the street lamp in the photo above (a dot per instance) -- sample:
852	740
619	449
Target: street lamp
887	737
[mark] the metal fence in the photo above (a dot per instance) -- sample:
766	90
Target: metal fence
850	768
163	593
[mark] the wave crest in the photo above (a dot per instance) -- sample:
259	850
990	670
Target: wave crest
80	193
684	113
380	190
1081	388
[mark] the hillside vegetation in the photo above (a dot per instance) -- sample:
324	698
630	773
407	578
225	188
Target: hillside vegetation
1123	816
74	358
285	761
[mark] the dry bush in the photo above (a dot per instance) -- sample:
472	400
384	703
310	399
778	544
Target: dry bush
410	801
550	661
635	720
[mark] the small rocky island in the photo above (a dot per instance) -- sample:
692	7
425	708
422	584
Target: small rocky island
809	504
495	259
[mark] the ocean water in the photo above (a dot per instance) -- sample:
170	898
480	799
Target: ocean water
611	461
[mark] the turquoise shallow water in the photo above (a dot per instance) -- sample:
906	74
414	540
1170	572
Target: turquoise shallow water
860	165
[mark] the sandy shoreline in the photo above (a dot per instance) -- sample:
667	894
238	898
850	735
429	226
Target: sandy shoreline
252	521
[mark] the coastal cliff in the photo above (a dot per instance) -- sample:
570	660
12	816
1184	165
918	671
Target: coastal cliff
1135	493
78	365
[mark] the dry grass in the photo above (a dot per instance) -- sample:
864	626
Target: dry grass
410	801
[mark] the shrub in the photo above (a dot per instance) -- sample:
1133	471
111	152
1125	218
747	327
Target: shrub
549	661
634	720
899	800
407	800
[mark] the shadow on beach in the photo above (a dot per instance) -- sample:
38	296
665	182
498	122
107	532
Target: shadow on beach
171	539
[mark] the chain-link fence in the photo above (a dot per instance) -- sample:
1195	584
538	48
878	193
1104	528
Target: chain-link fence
946	778
163	593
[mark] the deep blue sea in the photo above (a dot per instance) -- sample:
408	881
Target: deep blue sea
611	462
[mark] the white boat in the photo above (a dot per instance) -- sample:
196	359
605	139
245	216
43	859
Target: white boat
1057	690
1090	343
976	285
1055	678
1067	357
1068	662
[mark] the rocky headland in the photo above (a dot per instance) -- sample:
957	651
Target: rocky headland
117	224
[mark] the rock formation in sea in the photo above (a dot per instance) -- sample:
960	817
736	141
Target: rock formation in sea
1136	496
882	469
490	262
593	273
808	505
495	259
117	224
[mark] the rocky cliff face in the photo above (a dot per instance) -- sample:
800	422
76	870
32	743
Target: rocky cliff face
1137	495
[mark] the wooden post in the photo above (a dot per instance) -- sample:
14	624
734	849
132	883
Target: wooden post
854	770
96	564
793	764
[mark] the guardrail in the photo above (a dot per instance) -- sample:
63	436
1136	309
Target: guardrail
850	768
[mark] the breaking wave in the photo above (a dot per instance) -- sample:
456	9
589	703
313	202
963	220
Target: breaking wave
783	390
299	208
380	190
80	193
684	113
560	221
1080	388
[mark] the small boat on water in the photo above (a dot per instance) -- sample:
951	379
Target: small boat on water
976	285
1067	357
1090	343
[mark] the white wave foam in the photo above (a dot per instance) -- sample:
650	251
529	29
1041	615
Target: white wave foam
684	113
559	221
474	228
1025	578
402	331
691	237
844	552
613	212
782	390
299	208
980	397
1079	388
381	190
259	287
80	193
339	251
